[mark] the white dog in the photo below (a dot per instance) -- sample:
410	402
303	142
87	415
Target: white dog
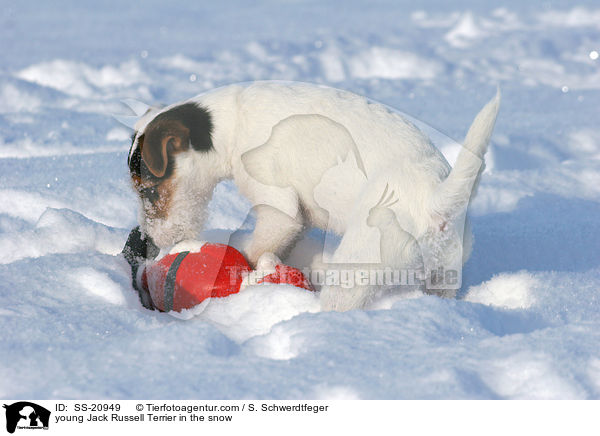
401	207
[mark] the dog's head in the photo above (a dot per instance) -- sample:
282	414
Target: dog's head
172	168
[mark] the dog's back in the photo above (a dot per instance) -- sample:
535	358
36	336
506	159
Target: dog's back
388	145
381	135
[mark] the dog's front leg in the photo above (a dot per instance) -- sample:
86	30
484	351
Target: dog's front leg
275	232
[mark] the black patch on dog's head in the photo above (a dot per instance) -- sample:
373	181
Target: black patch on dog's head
197	119
134	160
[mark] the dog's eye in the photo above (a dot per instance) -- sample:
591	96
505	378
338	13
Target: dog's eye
150	193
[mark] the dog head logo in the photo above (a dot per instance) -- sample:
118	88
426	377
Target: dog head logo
26	415
304	136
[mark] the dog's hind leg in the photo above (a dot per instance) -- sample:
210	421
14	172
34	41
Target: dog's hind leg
373	258
347	285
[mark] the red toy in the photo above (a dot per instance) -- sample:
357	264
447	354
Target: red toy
183	280
288	275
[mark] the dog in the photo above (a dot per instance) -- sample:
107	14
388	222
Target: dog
280	143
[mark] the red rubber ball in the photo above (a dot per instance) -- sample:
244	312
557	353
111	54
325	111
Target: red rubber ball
183	280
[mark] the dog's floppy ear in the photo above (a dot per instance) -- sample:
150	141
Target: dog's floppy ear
162	140
174	131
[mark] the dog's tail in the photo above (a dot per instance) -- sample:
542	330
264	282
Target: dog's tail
454	193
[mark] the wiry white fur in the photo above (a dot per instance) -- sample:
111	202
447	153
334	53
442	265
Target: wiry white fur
283	179
191	194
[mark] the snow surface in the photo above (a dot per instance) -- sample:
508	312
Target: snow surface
527	321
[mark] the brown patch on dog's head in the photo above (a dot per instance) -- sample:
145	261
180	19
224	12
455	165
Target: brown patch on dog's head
155	195
170	132
162	139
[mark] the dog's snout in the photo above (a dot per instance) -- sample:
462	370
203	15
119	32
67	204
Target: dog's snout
151	194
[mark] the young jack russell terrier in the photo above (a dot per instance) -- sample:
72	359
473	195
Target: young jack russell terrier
401	207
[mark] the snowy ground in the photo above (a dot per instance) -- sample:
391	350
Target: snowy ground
525	325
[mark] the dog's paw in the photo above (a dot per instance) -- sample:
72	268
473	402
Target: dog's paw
340	299
268	262
265	265
191	245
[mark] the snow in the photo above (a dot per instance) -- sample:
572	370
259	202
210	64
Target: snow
512	291
381	62
526	323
